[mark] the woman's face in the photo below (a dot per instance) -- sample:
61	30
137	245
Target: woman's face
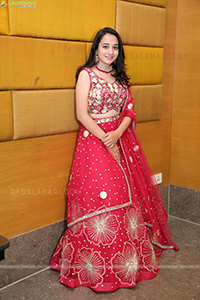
108	49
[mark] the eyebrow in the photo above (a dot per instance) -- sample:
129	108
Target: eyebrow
109	44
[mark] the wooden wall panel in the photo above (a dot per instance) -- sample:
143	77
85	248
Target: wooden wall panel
4	26
33	178
38	63
6	116
68	19
40	113
185	161
155	137
144	64
169	61
140	24
148	100
161	3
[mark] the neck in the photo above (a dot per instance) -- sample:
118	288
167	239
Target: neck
104	69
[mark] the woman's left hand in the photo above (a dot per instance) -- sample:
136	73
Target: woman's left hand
110	138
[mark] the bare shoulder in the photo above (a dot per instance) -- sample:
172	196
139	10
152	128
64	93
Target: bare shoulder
83	82
83	76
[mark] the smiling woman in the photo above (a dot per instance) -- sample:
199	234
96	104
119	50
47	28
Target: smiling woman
107	52
117	225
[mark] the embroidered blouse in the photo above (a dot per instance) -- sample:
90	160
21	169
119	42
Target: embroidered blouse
104	96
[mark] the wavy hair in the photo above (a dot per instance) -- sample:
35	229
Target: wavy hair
118	65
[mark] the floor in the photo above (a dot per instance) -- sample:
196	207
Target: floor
178	279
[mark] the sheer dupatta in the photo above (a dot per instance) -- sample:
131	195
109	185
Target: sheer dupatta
145	186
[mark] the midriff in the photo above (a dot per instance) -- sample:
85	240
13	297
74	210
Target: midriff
111	113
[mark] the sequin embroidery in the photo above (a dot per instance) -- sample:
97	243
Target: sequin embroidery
104	96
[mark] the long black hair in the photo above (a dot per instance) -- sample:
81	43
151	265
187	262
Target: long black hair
118	65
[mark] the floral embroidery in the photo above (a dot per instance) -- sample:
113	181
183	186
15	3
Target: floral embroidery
90	267
136	148
86	133
101	229
103	195
134	224
125	265
130	105
67	255
75	210
131	159
76	230
104	96
149	257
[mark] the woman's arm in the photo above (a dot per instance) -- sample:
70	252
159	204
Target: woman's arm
128	117
82	90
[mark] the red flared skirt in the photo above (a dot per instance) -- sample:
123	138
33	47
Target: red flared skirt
117	222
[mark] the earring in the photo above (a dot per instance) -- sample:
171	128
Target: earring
96	59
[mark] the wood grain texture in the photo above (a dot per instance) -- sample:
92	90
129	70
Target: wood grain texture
140	24
6	116
169	61
155	137
41	113
30	63
4	26
161	3
185	161
68	19
33	177
144	64
148	99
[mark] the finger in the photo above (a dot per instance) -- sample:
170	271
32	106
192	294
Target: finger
106	135
108	144
109	138
106	141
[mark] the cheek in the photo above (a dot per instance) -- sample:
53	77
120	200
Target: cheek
101	52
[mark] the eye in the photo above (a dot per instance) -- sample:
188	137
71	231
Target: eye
115	48
105	47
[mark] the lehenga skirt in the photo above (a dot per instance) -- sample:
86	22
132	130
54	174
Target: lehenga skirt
117	224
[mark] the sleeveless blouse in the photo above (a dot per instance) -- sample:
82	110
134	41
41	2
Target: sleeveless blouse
104	96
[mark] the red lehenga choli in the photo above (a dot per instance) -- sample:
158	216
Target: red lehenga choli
117	224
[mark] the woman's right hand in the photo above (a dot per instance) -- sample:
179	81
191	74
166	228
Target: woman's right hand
114	151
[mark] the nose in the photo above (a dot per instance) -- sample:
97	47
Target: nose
110	50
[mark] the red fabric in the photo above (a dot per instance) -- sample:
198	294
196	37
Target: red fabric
117	222
128	108
104	96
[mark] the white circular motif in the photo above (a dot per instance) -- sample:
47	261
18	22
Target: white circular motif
136	148
103	195
130	105
86	133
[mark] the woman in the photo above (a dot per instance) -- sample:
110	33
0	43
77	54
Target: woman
117	225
